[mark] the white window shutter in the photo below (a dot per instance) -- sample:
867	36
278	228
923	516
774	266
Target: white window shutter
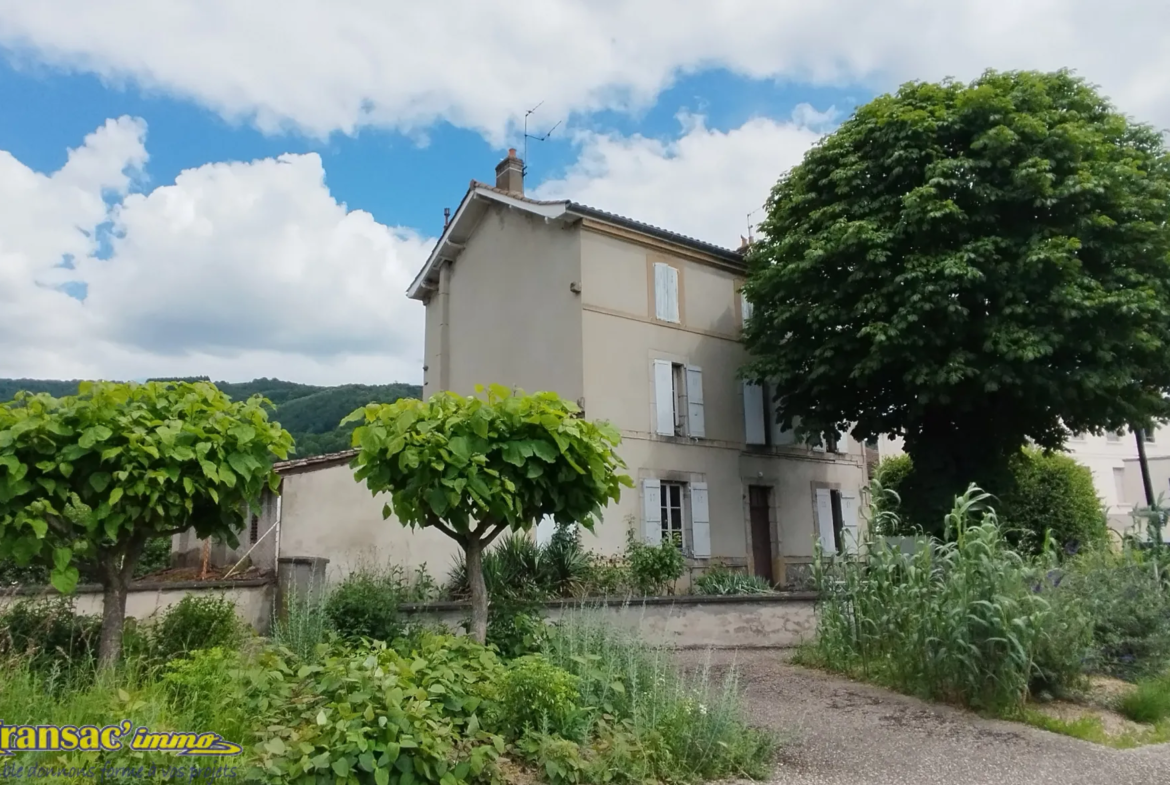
851	524
825	520
652	511
663	397
745	308
700	521
696	426
754	424
544	530
665	292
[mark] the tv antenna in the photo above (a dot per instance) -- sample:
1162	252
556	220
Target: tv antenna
749	222
528	136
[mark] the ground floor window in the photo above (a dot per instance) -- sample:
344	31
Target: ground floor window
672	495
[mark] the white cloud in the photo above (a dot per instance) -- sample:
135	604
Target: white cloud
236	270
479	64
703	184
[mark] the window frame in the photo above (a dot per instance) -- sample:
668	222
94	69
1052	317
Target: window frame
668	510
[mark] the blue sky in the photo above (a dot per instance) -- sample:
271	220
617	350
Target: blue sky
207	188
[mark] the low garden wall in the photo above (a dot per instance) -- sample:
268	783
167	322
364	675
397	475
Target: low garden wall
684	622
253	597
734	622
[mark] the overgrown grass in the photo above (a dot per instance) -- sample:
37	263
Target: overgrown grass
1092	728
1149	702
689	727
963	620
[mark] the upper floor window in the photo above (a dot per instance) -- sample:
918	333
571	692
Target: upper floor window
1113	436
678	399
745	308
665	293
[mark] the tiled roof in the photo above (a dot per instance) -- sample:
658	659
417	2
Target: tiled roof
295	465
641	226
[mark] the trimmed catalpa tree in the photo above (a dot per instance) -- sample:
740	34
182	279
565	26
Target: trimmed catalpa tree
93	477
973	267
475	467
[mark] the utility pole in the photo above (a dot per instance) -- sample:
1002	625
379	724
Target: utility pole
1140	435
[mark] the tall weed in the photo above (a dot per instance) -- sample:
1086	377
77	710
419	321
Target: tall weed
963	620
653	721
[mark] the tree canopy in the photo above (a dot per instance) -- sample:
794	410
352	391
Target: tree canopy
970	266
474	467
96	475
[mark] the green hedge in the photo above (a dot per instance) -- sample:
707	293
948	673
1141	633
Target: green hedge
1048	492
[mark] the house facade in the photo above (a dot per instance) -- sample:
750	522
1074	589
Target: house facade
641	327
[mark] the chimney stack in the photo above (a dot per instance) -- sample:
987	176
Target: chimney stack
510	174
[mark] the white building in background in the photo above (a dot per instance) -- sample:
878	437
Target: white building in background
1113	460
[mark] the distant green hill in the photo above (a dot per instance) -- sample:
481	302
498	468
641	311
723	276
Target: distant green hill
310	413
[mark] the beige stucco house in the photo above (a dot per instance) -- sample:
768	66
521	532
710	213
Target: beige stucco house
640	326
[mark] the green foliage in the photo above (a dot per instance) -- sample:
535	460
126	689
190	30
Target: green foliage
309	412
193	623
654	568
207	683
1129	607
1149	702
1046	494
969	266
965	620
503	462
475	467
643	719
367	603
537	695
373	715
96	475
48	635
720	580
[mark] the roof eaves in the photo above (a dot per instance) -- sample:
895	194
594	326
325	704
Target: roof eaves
727	254
545	209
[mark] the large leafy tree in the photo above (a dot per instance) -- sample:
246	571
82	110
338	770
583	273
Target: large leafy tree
93	477
475	467
970	266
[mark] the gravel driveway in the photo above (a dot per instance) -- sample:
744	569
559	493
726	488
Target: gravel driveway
843	733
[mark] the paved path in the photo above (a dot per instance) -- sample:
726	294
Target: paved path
843	733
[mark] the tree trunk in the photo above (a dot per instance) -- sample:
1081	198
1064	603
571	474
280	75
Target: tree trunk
113	619
118	569
479	596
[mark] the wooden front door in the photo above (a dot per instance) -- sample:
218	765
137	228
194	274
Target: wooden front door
759	505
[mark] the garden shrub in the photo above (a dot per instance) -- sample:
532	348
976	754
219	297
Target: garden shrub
367	604
195	623
49	634
375	715
722	581
1049	493
1129	608
654	568
965	620
536	695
